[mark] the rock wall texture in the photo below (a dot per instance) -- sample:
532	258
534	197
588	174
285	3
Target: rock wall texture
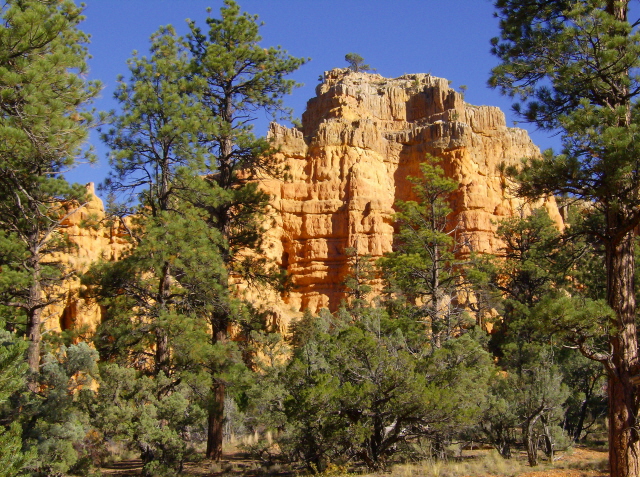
92	239
361	137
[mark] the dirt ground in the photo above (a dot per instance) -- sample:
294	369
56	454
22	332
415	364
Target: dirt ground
577	462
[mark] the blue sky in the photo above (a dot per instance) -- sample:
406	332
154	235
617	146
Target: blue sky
449	39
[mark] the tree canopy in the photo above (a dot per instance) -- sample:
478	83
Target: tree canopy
43	127
356	62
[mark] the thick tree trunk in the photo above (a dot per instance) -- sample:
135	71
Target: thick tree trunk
215	423
216	406
34	322
623	438
220	320
624	444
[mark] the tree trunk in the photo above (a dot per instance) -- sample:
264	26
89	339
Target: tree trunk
438	449
221	319
577	432
624	448
437	325
34	335
548	441
34	322
504	450
215	422
530	437
163	354
216	406
531	443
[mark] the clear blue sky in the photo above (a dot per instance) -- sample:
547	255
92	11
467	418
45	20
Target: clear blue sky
449	39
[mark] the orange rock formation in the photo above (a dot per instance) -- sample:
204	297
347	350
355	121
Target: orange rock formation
91	240
361	136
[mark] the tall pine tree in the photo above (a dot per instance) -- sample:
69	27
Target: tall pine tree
240	78
184	148
42	130
575	65
156	165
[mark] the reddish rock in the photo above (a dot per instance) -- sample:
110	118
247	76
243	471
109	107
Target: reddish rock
361	136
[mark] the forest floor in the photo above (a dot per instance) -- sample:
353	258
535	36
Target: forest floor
579	461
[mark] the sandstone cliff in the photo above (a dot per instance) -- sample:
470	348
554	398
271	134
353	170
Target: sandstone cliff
361	136
91	239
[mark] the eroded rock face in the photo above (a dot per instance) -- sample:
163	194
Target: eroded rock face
92	239
361	137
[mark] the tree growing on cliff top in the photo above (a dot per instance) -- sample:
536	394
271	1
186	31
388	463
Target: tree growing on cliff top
356	62
42	130
575	64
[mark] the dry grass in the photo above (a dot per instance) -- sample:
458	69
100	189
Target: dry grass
577	462
489	463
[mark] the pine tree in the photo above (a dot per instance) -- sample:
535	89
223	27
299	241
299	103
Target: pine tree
184	148
157	164
425	270
538	265
576	64
13	374
531	266
172	276
42	130
524	275
240	78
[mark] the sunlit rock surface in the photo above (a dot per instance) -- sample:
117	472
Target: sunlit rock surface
361	136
